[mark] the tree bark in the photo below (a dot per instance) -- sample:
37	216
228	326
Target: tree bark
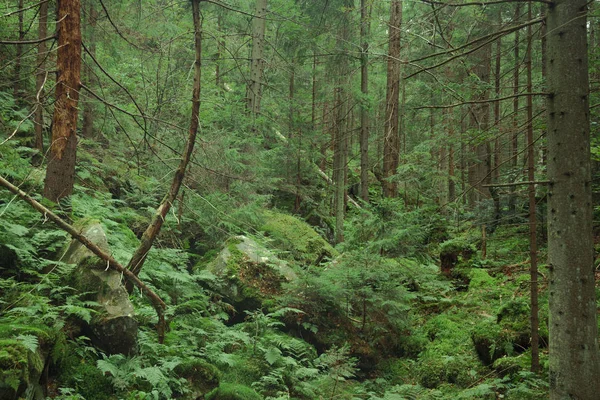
480	168
364	112
254	92
535	351
40	79
574	354
340	131
149	235
60	173
514	145
391	142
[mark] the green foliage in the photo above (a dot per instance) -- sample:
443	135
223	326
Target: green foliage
230	391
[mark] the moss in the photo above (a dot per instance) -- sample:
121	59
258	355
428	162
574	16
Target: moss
297	238
14	364
79	373
480	279
491	341
450	356
232	391
201	375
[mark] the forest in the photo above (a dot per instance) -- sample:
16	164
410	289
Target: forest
299	199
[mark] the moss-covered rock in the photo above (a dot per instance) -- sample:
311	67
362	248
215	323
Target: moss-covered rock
201	376
455	252
232	391
252	273
113	329
297	238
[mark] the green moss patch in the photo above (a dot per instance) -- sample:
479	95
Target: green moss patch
231	391
297	238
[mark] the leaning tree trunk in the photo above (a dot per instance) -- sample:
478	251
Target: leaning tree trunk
391	140
60	174
138	258
574	356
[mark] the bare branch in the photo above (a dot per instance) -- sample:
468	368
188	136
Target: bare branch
34	41
483	101
156	301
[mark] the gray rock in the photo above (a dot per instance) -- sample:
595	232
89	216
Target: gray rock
113	329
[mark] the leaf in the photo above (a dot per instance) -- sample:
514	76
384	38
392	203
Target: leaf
106	366
30	342
272	355
15	229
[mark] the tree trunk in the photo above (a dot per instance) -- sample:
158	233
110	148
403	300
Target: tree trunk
138	258
574	356
497	143
220	46
60	174
364	112
391	140
480	168
87	130
40	79
340	132
257	67
339	162
514	145
535	352
19	48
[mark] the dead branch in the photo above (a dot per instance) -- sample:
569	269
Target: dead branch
158	304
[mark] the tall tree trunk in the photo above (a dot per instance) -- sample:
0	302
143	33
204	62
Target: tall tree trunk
258	63
573	328
497	144
60	174
364	112
514	145
220	46
87	130
391	141
153	229
340	132
480	167
535	352
19	55
340	140
40	79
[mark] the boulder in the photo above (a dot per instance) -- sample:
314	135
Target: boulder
297	238
251	273
113	329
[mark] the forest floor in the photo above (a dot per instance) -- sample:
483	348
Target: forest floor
374	318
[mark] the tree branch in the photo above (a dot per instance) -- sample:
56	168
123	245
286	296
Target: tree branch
34	41
483	101
480	3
